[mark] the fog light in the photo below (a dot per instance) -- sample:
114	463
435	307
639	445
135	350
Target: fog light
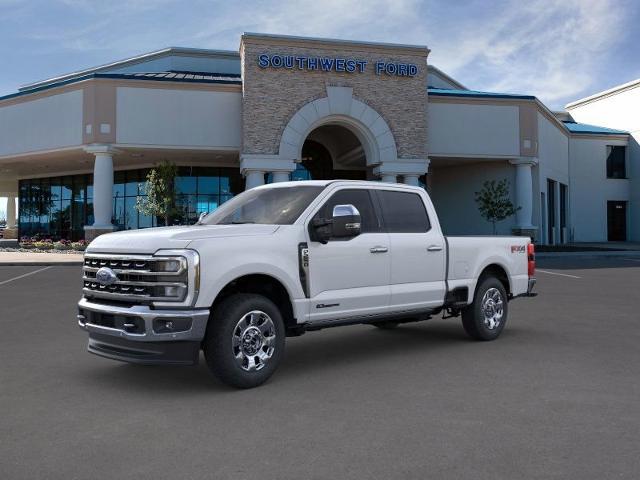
161	325
170	292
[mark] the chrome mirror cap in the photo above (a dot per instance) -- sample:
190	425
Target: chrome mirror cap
345	211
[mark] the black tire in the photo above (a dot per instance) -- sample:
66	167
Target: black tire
225	349
474	321
386	325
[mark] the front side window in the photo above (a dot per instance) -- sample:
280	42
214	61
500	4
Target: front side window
403	212
616	161
269	206
360	199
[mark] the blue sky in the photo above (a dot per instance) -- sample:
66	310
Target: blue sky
557	50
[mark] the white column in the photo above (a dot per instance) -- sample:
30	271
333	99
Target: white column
253	178
11	211
524	191
389	178
409	169
102	186
280	176
413	180
254	166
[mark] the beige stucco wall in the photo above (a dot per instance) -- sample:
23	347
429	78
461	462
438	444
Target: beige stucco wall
459	129
272	96
50	122
178	117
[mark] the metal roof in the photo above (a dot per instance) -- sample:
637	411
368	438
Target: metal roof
176	75
604	93
575	127
145	57
475	93
186	77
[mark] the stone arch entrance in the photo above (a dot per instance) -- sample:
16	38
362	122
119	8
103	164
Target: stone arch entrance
332	151
339	108
339	112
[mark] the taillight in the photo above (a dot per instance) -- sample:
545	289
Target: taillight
531	260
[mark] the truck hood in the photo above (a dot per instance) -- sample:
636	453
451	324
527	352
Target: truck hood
150	240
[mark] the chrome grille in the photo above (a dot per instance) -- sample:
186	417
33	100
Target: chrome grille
138	279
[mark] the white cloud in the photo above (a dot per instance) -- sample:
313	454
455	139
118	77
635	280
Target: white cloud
554	49
548	48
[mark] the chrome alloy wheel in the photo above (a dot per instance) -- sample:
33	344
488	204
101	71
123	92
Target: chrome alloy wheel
492	308
254	340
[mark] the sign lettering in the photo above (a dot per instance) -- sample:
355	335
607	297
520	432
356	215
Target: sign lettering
337	64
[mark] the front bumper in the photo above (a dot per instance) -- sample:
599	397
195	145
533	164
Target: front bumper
139	334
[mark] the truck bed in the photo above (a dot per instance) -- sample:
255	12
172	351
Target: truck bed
467	257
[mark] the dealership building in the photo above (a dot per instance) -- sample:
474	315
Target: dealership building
75	149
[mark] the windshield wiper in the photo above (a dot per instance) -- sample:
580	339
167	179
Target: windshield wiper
239	222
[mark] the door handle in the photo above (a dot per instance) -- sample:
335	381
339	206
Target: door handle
379	249
434	248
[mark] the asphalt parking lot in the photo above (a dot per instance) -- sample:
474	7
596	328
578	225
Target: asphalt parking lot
557	396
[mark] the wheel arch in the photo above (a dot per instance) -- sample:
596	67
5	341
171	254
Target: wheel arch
261	284
498	271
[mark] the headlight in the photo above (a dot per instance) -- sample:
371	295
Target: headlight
181	284
170	266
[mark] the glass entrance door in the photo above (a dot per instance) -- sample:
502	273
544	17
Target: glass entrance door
617	221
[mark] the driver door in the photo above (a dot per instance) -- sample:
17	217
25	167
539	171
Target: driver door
349	277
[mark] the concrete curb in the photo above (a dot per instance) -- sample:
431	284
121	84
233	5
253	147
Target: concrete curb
612	254
41	264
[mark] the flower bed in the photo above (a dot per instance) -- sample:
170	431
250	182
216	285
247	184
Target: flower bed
36	244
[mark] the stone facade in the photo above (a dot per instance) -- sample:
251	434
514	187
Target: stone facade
272	96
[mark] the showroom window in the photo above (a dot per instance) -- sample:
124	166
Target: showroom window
60	207
616	161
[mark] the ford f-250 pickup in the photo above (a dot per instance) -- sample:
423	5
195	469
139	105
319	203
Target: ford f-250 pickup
286	258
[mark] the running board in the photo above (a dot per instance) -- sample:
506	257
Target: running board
400	317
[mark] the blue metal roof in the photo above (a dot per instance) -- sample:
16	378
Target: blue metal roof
575	127
188	77
444	92
184	76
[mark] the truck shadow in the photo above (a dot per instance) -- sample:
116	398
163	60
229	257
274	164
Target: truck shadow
312	353
364	344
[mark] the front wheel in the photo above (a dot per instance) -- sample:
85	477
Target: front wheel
245	340
485	318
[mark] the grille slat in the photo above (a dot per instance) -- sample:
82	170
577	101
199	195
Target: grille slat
140	279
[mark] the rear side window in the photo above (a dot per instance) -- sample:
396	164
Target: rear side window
403	212
359	199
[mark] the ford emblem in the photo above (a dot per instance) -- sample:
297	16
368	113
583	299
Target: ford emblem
105	276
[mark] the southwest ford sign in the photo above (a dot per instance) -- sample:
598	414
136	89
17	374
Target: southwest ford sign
331	64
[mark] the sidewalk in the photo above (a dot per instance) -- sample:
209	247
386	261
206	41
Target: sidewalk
609	249
592	253
39	259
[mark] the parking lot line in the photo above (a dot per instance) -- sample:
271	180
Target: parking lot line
556	273
25	275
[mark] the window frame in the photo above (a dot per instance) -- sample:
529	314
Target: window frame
323	203
608	150
378	196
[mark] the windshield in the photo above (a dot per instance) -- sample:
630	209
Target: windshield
271	206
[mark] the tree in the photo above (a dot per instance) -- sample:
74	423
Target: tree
160	199
494	203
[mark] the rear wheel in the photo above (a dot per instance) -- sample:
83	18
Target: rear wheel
245	340
486	317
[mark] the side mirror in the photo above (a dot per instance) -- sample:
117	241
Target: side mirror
202	215
346	221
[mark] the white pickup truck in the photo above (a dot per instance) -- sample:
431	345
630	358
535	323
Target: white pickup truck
286	258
